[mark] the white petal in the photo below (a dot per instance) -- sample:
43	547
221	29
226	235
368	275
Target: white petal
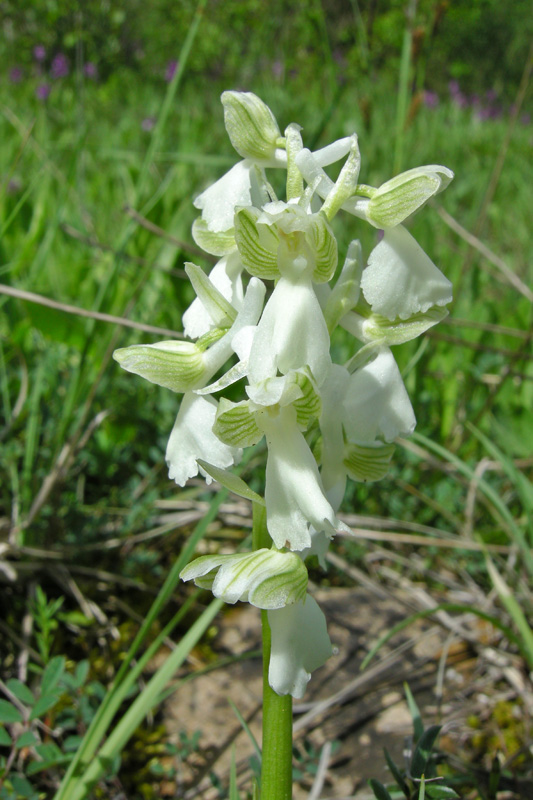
300	644
192	437
376	403
218	201
333	472
401	279
333	152
292	333
319	546
293	492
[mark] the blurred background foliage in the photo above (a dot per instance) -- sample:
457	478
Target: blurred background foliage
480	42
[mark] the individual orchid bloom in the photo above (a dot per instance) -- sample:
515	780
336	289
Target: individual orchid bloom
362	414
300	644
284	241
401	196
183	367
294	496
401	280
268	579
192	438
376	405
384	207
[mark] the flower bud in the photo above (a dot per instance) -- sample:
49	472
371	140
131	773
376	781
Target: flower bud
404	194
265	578
251	125
176	365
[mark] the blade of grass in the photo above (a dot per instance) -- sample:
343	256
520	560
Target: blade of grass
427	612
523	487
246	729
513	609
418	725
403	86
489	493
79	787
117	691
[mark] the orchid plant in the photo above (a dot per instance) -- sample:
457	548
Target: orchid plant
268	309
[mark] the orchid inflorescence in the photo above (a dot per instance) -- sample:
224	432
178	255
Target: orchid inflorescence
323	422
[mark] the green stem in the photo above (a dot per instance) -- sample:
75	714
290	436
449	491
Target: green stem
276	760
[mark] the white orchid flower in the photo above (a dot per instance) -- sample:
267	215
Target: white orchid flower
295	498
401	280
300	644
267	579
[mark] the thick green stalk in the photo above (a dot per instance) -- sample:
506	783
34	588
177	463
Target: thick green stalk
276	760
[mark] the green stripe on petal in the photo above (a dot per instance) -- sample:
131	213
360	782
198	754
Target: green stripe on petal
235	424
379	328
218	243
404	194
258	244
367	464
267	579
175	365
309	406
324	244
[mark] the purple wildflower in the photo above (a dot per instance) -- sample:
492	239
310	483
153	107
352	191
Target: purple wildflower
60	66
431	99
148	123
525	119
458	98
16	74
90	70
171	70
39	52
42	92
277	68
491	95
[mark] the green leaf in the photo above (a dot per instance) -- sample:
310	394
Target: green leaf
422	753
27	739
43	704
51	756
8	712
81	672
436	792
379	790
72	743
21	691
52	674
5	738
395	772
231	482
233	792
23	787
418	725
